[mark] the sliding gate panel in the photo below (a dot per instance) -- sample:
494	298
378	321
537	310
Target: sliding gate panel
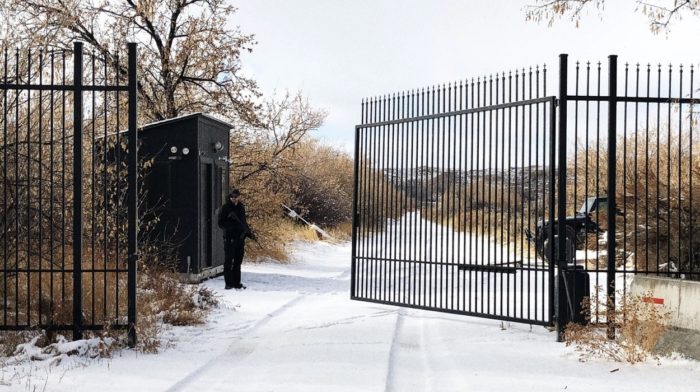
453	199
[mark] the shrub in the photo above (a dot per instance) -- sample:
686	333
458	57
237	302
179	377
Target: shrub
639	326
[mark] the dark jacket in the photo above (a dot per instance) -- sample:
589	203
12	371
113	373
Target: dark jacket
232	219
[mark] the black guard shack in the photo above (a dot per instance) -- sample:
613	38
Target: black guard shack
186	185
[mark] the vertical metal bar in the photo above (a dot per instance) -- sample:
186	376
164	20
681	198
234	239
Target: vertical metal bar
646	172
537	180
691	250
4	192
482	176
51	189
63	179
77	190
510	191
392	202
363	203
658	170
375	200
517	172
612	178
424	240
40	174
384	198
29	186
459	171
93	170
636	169
403	201
119	190
105	196
413	197
472	163
477	214
355	218
501	186
133	195
668	173
368	202
442	194
586	168
17	182
680	169
489	207
524	277
432	295
380	199
552	206
624	185
561	208
529	188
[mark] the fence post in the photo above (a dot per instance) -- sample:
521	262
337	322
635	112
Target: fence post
132	197
612	176
77	190
355	217
561	203
552	206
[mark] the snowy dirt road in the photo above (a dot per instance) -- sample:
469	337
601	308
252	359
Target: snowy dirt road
295	329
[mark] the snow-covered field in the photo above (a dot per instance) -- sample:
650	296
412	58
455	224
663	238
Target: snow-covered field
295	329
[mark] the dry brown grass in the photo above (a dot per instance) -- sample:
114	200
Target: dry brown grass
162	298
639	327
342	232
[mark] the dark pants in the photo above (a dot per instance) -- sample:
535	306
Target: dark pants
233	253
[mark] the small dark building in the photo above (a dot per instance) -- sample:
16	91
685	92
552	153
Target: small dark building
187	184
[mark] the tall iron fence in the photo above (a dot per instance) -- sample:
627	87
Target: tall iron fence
68	190
475	197
629	139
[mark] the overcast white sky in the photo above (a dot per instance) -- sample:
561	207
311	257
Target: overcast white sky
339	51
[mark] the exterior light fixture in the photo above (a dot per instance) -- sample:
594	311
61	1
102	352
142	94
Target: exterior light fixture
218	146
173	150
185	151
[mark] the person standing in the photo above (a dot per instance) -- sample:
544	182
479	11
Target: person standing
232	220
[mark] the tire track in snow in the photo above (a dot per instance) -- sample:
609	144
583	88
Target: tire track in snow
409	365
197	373
392	366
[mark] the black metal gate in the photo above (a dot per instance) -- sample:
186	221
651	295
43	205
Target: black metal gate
467	195
449	180
69	209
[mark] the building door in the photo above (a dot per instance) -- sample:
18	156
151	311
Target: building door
206	213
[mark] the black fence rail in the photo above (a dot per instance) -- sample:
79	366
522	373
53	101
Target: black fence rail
68	190
449	182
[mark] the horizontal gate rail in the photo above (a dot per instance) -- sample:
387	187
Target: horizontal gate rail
457	113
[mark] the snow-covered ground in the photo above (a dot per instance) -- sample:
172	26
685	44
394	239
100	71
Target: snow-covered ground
295	329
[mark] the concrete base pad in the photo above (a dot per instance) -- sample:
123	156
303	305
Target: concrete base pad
680	340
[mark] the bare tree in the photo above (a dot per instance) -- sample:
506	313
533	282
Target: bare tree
283	122
659	12
189	56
